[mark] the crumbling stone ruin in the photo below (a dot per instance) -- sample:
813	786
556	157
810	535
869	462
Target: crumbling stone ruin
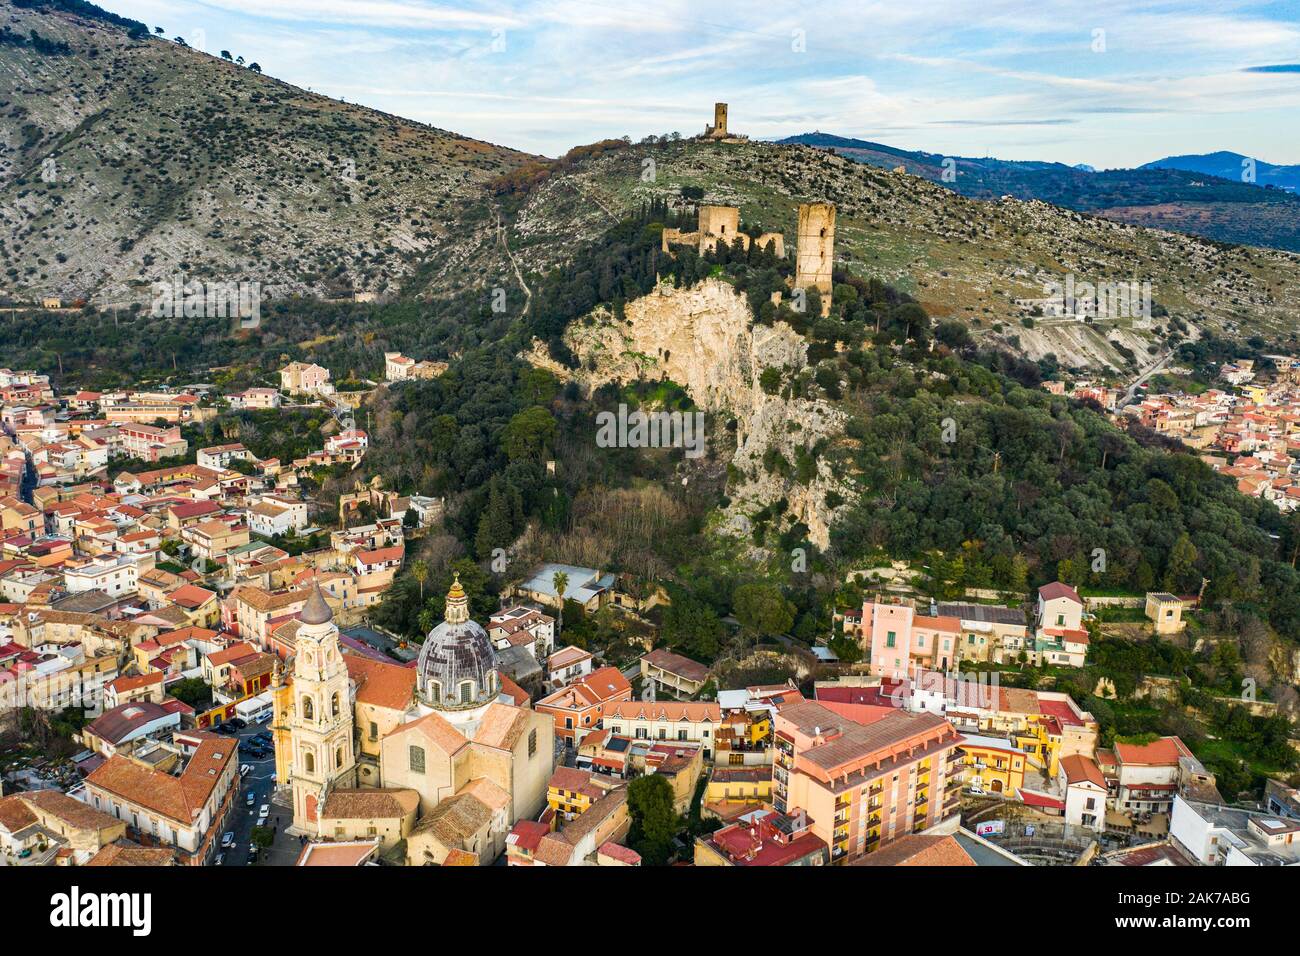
718	131
720	224
815	256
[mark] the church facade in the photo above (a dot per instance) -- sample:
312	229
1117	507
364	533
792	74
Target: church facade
362	743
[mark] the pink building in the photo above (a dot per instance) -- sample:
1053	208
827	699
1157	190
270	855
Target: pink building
899	640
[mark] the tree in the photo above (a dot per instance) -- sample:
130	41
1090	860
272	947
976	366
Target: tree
225	55
692	626
654	819
528	434
761	609
561	582
255	67
193	691
262	837
420	571
1181	571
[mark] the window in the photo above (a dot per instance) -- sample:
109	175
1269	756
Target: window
663	733
1060	620
641	733
374	730
568	723
532	741
371	831
334	704
308	711
681	735
435	691
466	691
309	762
415	756
338	759
890	639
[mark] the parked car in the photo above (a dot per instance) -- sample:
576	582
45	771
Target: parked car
252	854
263	812
237	722
245	769
252	799
220	860
227	839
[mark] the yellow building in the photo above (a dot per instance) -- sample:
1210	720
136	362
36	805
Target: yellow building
735	790
992	765
1166	611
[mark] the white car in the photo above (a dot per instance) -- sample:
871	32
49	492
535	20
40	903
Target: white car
263	812
227	839
245	769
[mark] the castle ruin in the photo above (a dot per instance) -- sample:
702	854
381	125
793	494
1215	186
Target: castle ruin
815	250
718	130
720	224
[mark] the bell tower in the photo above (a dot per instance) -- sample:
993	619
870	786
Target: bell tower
320	714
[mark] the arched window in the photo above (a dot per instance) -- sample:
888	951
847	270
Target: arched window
435	691
466	691
338	759
309	761
334	704
308	712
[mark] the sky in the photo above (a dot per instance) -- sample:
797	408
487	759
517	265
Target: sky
1109	83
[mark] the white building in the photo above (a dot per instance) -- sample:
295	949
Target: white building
1223	836
116	575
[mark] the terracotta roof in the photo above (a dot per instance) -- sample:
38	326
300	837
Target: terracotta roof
913	849
501	726
337	854
458	857
695	711
179	798
14	814
380	683
71	811
677	664
435	729
123	684
369	804
455	819
1164	752
1081	769
1050	592
622	854
120	854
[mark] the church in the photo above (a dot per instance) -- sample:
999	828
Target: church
440	759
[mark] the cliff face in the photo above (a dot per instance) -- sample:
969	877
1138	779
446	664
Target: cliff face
704	339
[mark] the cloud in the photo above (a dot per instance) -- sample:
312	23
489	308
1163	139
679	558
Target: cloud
1274	68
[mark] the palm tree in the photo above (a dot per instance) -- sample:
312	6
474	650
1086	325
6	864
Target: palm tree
561	582
420	571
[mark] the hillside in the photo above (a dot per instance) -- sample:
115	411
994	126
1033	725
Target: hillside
1201	195
1226	164
961	258
125	161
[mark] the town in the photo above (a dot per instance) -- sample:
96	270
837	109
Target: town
187	677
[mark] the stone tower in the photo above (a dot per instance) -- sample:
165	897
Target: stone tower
718	224
815	255
719	119
320	714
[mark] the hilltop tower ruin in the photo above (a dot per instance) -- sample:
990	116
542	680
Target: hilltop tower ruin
720	119
719	223
815	249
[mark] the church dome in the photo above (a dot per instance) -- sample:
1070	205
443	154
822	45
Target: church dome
457	668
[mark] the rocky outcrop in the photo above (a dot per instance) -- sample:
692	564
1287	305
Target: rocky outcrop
705	340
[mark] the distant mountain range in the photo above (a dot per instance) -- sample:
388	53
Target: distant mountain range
1203	195
1228	165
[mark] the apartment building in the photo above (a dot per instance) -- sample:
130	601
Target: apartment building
862	785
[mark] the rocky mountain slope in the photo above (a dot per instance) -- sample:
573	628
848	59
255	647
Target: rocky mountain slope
1203	195
124	161
964	259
